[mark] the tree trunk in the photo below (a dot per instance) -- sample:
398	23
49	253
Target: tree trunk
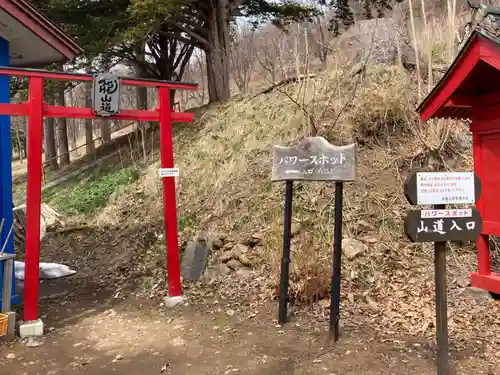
217	53
49	136
89	134
19	144
105	130
142	99
62	129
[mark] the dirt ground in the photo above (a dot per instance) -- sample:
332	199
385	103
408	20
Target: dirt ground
94	332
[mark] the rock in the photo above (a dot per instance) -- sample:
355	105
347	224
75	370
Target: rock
11	356
256	239
243	258
370	239
244	272
352	248
217	244
223	269
31	342
238	250
463	282
228	246
479	295
194	259
171	302
226	256
234	264
119	357
250	242
164	368
258	236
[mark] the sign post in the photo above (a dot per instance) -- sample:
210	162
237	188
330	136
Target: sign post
337	259
313	159
439	226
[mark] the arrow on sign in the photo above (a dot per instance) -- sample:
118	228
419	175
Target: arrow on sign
291	171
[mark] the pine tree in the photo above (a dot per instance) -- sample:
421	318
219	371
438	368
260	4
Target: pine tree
366	9
342	16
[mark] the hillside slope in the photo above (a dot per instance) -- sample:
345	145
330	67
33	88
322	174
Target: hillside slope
225	189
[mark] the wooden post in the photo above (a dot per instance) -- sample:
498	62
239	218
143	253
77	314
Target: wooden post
285	260
8	269
337	263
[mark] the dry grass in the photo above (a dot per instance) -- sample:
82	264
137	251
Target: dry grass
225	167
225	184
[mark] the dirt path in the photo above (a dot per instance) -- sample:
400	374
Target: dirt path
86	336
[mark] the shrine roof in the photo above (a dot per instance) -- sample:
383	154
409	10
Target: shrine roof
470	80
33	40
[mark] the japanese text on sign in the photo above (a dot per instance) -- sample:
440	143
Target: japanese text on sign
442	226
314	159
106	95
445	187
169	172
437	226
466	212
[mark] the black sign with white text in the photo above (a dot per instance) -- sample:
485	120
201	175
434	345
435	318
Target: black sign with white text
423	226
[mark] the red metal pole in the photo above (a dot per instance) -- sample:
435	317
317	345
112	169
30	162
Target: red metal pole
169	203
34	198
483	255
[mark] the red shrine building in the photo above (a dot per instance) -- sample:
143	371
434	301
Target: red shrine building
470	90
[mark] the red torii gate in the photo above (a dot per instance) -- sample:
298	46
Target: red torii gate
35	109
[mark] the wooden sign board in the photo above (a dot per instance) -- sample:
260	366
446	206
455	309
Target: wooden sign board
443	225
314	159
442	188
106	95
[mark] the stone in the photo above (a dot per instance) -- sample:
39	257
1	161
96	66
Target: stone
463	282
217	244
171	302
239	249
228	246
251	242
11	356
32	342
479	295
226	256
194	259
244	272
223	269
258	236
243	258
234	264
352	248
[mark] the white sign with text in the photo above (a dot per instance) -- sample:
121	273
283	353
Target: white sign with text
169	172
445	187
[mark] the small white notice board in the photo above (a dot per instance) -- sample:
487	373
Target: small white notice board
445	187
169	172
